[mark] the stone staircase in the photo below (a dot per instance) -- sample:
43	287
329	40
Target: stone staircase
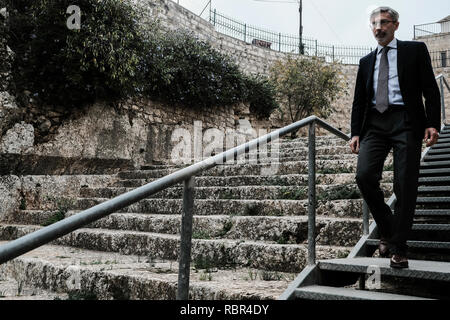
428	275
249	230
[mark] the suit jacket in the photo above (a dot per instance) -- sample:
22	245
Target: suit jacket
416	79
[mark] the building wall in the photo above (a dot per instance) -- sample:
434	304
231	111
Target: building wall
436	42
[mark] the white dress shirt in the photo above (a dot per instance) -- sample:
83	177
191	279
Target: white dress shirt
395	96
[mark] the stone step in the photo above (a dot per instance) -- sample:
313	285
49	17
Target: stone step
316	292
442	190
222	252
435	172
432	213
12	289
106	276
445	180
323	192
433	202
282	230
301	153
290	146
36	164
439	145
336	208
421	248
319	143
258	180
438	151
435	164
298	153
294	167
418	269
273	158
437	157
324	138
416	244
432	216
443	139
431	232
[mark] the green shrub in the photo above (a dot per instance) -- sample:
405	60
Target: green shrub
261	96
74	67
114	56
339	192
55	217
182	69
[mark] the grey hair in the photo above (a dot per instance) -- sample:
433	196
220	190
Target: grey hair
394	14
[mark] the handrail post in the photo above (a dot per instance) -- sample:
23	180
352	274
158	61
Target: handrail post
312	194
279	42
186	239
441	82
365	218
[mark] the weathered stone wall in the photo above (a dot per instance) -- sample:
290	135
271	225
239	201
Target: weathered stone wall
43	192
446	73
5	53
436	42
139	131
252	59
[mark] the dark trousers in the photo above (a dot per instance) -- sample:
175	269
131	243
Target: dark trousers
386	131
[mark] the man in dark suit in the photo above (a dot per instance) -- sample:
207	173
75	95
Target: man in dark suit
388	112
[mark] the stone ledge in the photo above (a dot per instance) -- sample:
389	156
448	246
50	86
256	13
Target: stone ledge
32	164
114	276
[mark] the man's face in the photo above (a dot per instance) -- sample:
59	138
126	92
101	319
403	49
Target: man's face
383	28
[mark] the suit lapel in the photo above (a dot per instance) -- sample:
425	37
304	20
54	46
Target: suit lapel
369	83
400	61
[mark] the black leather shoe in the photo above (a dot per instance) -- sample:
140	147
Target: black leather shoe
383	248
399	261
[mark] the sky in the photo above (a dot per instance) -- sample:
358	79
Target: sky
338	22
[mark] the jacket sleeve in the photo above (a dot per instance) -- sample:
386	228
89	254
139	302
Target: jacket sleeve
359	103
430	89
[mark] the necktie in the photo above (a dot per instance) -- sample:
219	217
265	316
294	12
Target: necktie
382	97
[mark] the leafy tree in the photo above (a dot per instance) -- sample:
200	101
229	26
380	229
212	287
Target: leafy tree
73	67
306	86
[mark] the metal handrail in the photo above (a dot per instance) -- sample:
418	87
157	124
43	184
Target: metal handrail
52	232
442	82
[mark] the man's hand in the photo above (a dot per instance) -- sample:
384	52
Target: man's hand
431	136
354	144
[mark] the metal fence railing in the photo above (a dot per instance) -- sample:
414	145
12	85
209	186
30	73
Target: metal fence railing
440	59
427	29
286	43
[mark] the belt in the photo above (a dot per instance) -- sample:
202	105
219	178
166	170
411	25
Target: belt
393	107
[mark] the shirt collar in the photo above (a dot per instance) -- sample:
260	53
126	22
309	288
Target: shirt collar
392	45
